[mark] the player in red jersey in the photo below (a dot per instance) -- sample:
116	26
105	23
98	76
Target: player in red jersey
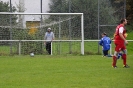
120	43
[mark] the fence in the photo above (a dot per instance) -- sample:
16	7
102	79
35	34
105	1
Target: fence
59	47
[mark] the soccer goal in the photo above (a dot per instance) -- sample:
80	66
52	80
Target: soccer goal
24	32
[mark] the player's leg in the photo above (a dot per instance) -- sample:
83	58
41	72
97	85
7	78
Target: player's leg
119	55
108	55
104	53
115	59
115	56
124	57
49	48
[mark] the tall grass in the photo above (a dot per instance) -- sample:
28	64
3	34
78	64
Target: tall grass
67	71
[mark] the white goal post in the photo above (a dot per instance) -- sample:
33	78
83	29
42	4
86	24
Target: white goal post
79	14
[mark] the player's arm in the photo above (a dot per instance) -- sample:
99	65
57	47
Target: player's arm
53	37
101	42
110	41
121	35
123	38
45	38
113	37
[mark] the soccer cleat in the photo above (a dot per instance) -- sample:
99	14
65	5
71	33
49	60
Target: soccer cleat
114	66
126	66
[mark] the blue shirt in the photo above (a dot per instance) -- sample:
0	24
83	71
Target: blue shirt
105	42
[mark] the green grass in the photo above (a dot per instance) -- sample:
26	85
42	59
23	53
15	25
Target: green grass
64	71
130	45
5	50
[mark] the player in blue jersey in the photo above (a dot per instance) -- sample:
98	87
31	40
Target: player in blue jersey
105	43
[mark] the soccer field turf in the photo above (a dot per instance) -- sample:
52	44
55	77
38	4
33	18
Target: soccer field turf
89	71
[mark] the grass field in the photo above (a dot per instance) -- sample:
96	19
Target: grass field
64	71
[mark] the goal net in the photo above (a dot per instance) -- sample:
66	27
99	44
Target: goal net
22	33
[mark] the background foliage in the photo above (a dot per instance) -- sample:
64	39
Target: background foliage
90	10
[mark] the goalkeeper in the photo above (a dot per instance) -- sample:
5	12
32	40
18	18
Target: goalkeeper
105	43
49	37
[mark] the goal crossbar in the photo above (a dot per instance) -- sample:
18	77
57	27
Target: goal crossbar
16	13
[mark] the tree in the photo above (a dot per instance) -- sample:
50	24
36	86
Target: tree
119	6
129	10
90	10
5	19
129	7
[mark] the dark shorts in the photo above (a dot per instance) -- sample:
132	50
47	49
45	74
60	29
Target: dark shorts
105	52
